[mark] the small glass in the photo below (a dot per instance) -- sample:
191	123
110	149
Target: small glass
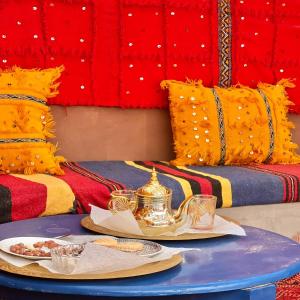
122	200
201	211
64	258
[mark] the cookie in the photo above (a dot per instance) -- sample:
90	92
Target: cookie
106	241
129	246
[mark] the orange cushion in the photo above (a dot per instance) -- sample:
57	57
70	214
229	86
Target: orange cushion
236	125
26	121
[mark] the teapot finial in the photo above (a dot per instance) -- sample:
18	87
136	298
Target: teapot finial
153	175
153	188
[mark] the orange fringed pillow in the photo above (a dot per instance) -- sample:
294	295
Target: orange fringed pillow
236	125
26	121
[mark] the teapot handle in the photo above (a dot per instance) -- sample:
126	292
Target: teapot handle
182	209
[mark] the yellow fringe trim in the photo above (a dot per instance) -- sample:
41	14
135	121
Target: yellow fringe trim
48	129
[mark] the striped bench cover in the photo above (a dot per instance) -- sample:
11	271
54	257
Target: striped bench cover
28	196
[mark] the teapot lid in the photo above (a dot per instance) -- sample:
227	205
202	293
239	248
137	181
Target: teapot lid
153	188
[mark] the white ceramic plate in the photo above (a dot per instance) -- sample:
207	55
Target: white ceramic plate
150	248
28	242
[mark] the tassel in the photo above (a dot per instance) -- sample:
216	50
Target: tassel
196	83
54	86
287	83
59	159
48	129
28	170
288	124
164	84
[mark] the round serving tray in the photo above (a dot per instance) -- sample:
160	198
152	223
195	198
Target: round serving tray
89	224
34	270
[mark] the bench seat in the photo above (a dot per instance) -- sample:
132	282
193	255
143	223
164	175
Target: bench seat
28	196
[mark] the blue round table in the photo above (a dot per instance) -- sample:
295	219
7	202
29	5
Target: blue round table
228	267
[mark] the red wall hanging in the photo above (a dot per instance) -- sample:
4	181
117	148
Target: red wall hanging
116	52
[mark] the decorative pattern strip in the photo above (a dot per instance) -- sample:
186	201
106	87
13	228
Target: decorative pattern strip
111	185
221	127
290	182
270	124
22	97
288	288
22	140
224	42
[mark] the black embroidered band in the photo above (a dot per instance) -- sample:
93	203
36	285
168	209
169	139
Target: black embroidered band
224	42
221	127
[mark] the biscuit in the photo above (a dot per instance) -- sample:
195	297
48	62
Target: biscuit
130	246
106	241
123	246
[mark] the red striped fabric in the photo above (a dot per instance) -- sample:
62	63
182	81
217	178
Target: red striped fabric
87	190
289	174
110	184
288	289
206	187
28	199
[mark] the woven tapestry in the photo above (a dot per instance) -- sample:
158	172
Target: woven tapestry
116	52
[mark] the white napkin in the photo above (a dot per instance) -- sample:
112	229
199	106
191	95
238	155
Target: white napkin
96	259
117	222
125	222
